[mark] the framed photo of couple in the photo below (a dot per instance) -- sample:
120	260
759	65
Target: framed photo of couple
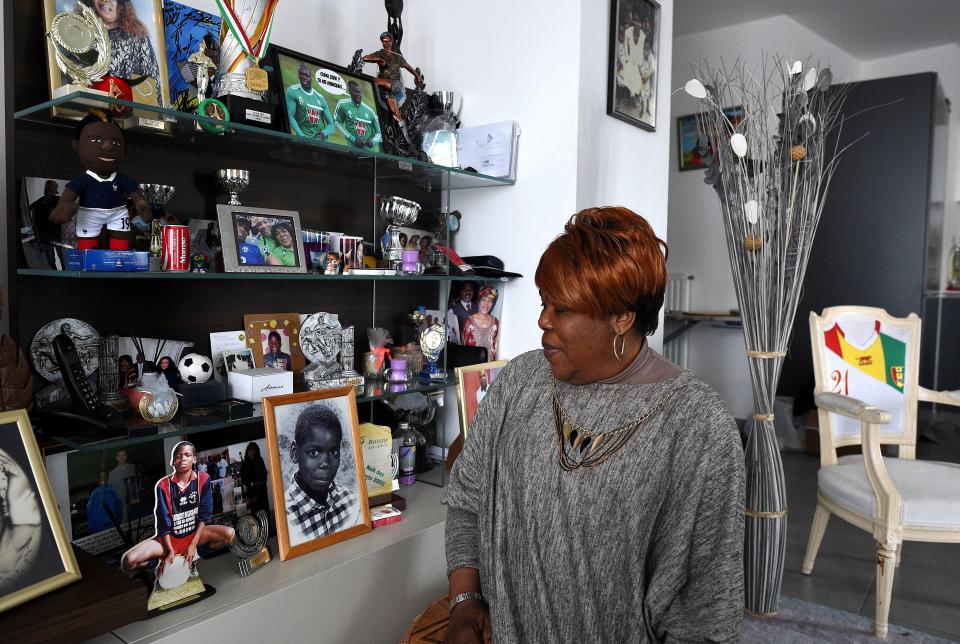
260	240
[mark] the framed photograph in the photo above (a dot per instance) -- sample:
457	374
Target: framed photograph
184	29
473	315
35	553
44	241
632	70
472	384
138	53
240	479
222	343
241	360
260	240
274	339
316	464
688	134
324	102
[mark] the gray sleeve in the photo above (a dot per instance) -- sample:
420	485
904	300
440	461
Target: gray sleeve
696	559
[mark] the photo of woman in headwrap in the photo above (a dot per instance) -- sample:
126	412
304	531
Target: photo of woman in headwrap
482	329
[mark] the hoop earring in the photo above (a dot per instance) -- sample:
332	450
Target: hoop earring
623	346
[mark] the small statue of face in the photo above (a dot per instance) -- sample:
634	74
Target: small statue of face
101	148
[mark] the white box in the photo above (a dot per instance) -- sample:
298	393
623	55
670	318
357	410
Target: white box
490	149
253	385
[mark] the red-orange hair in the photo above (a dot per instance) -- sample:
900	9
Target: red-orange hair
607	261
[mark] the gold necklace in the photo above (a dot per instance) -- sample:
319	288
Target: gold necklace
589	447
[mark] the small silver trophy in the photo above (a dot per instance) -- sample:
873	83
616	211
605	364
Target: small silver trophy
397	211
440	131
234	181
108	375
250	545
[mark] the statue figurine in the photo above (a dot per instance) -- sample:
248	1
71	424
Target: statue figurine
390	80
202	66
395	21
98	197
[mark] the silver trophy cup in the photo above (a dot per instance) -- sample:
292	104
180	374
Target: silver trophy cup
234	181
397	211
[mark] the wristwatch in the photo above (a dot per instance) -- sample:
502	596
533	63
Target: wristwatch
462	597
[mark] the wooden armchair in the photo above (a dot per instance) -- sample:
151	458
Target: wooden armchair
866	367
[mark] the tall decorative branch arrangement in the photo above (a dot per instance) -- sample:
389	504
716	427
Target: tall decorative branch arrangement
771	171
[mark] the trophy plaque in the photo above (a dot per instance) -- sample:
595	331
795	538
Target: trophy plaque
250	544
322	341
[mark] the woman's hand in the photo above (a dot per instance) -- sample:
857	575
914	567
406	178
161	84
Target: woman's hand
469	623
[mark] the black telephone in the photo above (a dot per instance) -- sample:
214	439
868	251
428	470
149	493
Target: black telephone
83	414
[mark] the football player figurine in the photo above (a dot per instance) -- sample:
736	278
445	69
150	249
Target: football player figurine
390	79
99	196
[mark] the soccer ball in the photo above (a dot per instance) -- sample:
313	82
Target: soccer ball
195	368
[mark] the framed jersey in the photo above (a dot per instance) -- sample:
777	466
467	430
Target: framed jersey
324	103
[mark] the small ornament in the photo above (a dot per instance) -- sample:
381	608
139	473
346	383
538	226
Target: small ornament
739	144
751	211
695	88
798	152
796	68
195	368
753	242
198	264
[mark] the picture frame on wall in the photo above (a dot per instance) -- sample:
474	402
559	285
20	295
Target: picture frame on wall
138	52
260	240
316	468
473	382
632	68
35	552
274	339
688	135
326	103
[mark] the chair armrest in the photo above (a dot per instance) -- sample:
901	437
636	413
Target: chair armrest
852	408
939	397
887	519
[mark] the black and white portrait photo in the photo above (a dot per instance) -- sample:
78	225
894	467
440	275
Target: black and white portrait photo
35	554
314	439
632	73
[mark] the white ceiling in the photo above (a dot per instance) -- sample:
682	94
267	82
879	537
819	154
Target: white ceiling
866	29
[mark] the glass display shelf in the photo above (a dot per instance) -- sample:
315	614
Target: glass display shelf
231	414
184	126
94	275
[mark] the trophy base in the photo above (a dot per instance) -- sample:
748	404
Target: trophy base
70	88
249	565
251	112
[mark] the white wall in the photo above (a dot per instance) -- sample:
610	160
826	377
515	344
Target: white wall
695	234
618	163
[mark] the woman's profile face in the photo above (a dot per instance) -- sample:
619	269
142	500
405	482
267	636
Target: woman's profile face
578	347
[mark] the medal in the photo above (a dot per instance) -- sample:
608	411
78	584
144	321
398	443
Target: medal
256	78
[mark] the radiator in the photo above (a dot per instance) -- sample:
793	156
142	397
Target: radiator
676	300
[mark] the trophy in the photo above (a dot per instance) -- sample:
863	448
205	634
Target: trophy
250	544
433	339
440	130
346	354
81	48
233	181
244	38
398	212
157	195
108	375
322	340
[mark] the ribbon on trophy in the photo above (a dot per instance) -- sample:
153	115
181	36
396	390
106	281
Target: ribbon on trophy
257	79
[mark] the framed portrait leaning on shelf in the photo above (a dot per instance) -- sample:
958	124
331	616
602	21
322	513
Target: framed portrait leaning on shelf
324	102
316	468
35	553
260	240
275	340
472	384
632	67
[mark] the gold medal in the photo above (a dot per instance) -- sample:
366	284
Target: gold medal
257	79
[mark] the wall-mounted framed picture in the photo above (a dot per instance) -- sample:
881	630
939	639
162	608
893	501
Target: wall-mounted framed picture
473	382
35	552
688	135
632	68
324	102
260	240
136	34
275	340
316	464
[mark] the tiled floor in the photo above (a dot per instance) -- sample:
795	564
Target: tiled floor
926	587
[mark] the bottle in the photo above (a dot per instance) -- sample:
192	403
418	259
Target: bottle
408	454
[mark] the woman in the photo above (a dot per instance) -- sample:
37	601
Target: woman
170	371
599	494
481	329
253	473
285	252
131	52
128	372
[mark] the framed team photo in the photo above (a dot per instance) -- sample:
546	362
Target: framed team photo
35	552
260	240
632	69
323	102
472	385
316	468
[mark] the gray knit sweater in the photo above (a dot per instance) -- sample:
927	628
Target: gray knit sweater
646	546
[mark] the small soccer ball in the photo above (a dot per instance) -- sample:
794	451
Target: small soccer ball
195	368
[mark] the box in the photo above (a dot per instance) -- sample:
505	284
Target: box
253	385
197	394
107	260
376	459
251	112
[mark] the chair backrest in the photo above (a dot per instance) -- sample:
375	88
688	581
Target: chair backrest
865	353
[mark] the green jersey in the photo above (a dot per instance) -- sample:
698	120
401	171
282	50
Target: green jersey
287	256
357	123
309	113
266	245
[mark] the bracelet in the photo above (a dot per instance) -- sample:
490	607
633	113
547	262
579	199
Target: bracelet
462	597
